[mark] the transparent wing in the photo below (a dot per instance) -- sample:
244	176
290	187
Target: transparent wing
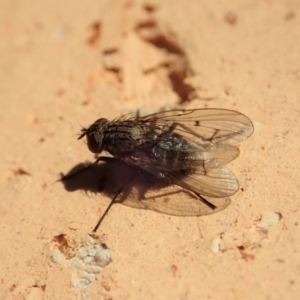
211	179
148	192
173	200
198	125
224	153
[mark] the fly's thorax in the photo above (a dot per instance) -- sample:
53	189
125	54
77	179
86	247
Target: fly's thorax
125	136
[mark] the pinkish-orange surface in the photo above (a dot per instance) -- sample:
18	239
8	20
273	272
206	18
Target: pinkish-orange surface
63	64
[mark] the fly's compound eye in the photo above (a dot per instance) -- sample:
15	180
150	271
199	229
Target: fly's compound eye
95	142
95	135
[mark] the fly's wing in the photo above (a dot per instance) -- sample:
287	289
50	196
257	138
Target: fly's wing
223	153
173	200
148	192
219	126
209	179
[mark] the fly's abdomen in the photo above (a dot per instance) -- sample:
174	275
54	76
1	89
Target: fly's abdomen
177	154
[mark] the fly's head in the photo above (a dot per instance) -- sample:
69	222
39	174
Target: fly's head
95	134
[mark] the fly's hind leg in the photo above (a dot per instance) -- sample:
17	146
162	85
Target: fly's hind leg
118	192
210	205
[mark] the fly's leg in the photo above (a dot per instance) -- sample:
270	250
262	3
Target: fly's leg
210	205
118	192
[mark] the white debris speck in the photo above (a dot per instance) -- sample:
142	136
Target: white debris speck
57	257
92	251
84	280
88	261
215	245
102	257
81	252
268	218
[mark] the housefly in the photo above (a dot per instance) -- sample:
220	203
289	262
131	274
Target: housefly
184	148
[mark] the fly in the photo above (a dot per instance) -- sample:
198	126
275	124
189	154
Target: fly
187	148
